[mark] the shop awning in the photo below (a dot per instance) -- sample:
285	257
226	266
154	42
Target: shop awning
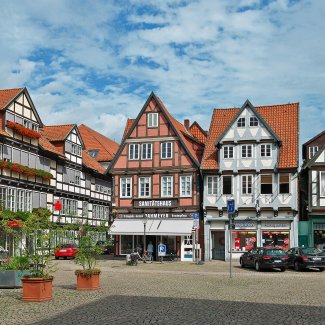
158	227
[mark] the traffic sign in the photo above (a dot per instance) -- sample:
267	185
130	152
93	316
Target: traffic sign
196	220
161	250
230	206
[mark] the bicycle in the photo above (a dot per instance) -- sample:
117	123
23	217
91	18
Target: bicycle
147	257
171	256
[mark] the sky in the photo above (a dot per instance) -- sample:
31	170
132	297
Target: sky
96	62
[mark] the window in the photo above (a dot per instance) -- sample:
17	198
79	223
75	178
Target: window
186	186
228	152
266	150
3	196
146	151
75	149
284	183
166	150
85	209
243	240
100	212
152	120
246	184
227	184
134	151
241	122
77	178
70	207
322	184
247	151
20	200
266	184
253	121
126	187
212	185
144	186
93	153
11	199
167	186
312	151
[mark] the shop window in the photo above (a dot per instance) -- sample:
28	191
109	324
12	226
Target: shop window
266	184
243	240
226	185
279	239
212	185
126	244
284	183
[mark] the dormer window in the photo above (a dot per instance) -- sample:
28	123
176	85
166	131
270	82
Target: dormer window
253	121
76	149
93	153
241	122
152	120
312	151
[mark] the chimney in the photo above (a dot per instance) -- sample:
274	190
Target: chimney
187	124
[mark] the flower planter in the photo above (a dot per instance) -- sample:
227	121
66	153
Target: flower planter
37	289
11	278
88	281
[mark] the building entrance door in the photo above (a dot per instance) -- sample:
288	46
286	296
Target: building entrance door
218	245
153	240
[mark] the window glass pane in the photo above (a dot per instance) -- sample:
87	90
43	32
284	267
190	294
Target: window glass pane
126	244
241	122
243	240
253	121
226	185
266	184
279	239
284	183
322	184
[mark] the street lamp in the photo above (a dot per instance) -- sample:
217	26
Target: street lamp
144	220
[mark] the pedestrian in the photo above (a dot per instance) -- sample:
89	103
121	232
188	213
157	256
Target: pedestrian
150	248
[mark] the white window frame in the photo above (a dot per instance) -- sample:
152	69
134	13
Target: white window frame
166	150
11	199
231	183
212	185
76	149
284	174
322	184
226	152
146	182
246	146
152	120
169	186
247	184
128	184
312	151
261	175
70	207
20	200
132	151
252	121
241	122
184	190
145	151
266	147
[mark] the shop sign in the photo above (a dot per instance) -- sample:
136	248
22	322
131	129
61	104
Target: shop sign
171	203
153	215
245	224
275	225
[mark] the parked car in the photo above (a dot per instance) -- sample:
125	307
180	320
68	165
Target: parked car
301	258
106	246
265	258
65	251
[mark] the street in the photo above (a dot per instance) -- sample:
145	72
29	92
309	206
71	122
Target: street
174	293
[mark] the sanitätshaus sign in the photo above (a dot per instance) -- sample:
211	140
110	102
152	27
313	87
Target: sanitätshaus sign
154	215
171	203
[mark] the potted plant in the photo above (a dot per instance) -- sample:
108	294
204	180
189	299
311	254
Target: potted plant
12	271
88	277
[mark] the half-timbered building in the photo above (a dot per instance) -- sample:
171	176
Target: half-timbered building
312	187
251	156
156	182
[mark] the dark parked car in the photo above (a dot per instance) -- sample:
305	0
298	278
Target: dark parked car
106	246
301	258
265	258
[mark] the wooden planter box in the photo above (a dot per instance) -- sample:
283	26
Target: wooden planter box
88	282
11	278
37	289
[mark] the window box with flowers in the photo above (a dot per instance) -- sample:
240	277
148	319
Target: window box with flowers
25	170
22	130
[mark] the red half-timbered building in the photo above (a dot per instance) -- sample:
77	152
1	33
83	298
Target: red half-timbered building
156	183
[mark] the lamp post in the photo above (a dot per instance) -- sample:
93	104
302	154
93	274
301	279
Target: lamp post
144	220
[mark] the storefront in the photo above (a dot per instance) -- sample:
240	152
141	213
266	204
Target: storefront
175	233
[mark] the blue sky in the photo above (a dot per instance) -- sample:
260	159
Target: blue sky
96	62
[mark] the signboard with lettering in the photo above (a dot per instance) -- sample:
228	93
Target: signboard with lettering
171	203
269	225
161	250
175	215
245	225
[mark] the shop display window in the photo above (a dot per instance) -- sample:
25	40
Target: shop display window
170	242
243	240
319	238
126	244
279	239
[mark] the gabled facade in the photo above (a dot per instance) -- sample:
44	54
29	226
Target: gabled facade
312	193
41	165
251	156
156	181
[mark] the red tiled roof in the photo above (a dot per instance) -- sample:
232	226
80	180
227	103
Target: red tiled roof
93	140
57	132
6	95
282	119
198	132
4	133
47	146
92	163
128	125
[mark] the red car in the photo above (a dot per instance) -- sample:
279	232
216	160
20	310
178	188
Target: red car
65	251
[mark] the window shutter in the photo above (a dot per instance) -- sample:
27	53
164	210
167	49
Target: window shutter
43	200
36	199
